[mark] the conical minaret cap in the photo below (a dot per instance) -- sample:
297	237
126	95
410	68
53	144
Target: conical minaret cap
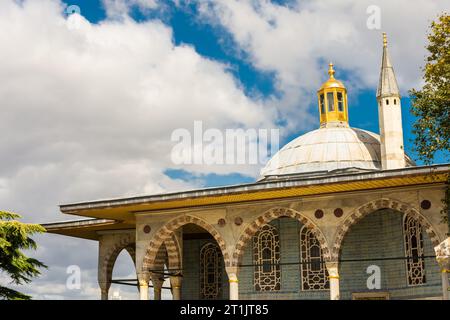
387	85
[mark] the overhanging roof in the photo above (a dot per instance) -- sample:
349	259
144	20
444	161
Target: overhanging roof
86	229
275	188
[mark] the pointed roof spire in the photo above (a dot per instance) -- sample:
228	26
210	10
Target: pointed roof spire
387	85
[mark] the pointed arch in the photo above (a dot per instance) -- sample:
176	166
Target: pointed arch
270	215
173	249
375	205
166	232
107	260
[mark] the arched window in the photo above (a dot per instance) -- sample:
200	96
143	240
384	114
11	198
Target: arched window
313	270
266	253
322	104
415	264
340	100
210	271
330	101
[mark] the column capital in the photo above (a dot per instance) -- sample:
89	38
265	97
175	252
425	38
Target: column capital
175	281
332	268
443	255
157	281
143	278
232	271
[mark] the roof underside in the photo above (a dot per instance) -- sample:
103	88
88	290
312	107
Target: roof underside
86	229
119	214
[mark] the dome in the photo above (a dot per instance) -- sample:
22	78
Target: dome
328	149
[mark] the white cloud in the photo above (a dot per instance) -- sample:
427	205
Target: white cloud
297	41
121	8
95	106
88	110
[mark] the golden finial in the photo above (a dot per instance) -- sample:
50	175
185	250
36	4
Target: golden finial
331	70
384	39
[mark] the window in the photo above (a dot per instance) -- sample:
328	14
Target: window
210	271
387	102
322	104
415	265
340	99
266	253
313	270
395	101
330	101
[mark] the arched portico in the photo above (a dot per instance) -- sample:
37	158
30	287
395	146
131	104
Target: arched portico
166	232
110	247
372	206
265	218
366	234
166	235
262	220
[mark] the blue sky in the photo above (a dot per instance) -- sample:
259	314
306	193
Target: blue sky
215	42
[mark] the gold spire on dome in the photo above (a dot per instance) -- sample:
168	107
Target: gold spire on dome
331	70
332	82
384	39
332	97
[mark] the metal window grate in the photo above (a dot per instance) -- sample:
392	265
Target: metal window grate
266	253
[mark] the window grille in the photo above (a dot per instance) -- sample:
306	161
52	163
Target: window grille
313	270
415	264
210	271
266	253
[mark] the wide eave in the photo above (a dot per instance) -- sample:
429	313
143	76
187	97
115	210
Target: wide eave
113	214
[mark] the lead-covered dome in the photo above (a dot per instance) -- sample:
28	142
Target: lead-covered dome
328	149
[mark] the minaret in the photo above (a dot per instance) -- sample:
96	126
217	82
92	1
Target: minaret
390	115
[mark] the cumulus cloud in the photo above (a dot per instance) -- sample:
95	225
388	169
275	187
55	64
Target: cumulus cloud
88	109
87	112
297	40
95	105
121	8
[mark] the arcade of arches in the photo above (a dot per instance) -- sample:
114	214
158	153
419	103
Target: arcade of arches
377	249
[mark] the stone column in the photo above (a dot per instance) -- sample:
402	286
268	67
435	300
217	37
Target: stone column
443	259
104	293
175	283
445	288
104	275
157	285
234	282
143	279
333	275
104	285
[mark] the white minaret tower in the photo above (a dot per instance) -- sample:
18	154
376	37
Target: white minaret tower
390	115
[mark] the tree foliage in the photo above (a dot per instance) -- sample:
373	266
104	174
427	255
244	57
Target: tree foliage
431	104
15	237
